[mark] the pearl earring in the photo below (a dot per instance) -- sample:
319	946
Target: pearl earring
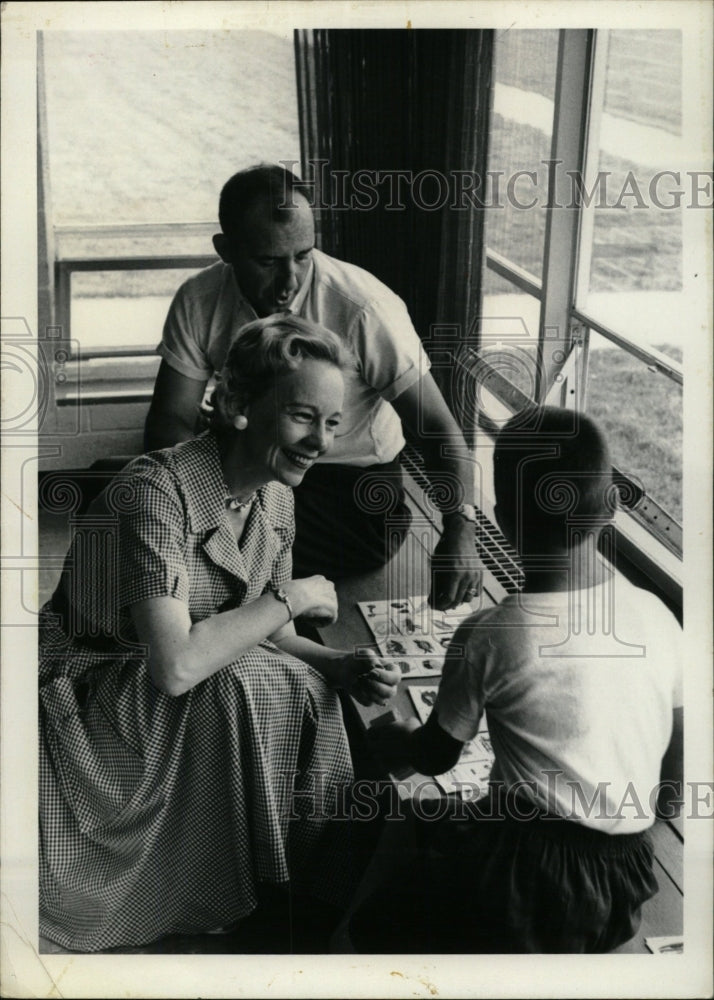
240	422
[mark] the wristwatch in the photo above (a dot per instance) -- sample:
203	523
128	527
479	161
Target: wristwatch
280	595
465	510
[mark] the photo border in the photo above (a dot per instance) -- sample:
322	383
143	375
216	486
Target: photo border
27	973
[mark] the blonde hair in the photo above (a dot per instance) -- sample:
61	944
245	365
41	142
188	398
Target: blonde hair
262	351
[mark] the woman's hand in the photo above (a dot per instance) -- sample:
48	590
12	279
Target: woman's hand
368	677
313	598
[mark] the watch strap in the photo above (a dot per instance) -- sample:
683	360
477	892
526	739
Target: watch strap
280	595
465	510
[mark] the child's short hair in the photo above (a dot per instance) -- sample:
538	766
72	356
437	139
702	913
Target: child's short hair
552	468
266	182
262	351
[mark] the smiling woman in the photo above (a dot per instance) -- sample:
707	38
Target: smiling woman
282	389
185	726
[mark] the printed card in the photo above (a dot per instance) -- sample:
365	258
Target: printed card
417	637
382	618
468	778
423	697
412	667
411	617
432	622
411	633
665	945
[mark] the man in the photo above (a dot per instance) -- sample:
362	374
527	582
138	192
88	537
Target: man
269	265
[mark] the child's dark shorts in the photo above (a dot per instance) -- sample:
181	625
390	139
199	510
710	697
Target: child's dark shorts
507	884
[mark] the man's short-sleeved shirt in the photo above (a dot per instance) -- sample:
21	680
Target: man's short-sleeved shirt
578	689
373	322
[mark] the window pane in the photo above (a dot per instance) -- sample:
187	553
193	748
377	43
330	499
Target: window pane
122	308
521	132
146	126
508	346
640	411
632	247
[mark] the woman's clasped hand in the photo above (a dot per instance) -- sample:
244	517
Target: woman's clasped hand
368	677
313	598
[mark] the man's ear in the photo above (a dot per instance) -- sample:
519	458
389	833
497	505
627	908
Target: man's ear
222	246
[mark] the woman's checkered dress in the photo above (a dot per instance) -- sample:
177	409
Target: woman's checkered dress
160	815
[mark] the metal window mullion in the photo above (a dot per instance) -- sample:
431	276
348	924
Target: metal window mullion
591	160
110	353
570	119
580	332
569	383
46	292
64	269
63	298
103	231
156	262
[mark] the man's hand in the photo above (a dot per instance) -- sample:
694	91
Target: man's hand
455	579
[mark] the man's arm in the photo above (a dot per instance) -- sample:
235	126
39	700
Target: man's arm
174	409
423	410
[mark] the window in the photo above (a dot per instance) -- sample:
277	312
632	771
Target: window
632	254
585	300
142	130
520	141
144	126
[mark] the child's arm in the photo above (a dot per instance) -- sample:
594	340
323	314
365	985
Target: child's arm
428	748
431	749
670	796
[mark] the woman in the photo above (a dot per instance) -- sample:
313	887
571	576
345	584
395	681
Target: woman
192	746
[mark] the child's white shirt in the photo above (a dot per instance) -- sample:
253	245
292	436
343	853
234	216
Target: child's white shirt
578	689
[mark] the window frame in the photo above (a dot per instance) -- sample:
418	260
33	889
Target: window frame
579	77
651	537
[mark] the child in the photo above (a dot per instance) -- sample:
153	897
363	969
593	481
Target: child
579	679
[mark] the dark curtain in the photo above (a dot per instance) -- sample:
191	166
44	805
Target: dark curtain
415	101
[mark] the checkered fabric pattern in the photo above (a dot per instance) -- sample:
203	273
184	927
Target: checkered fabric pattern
161	815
